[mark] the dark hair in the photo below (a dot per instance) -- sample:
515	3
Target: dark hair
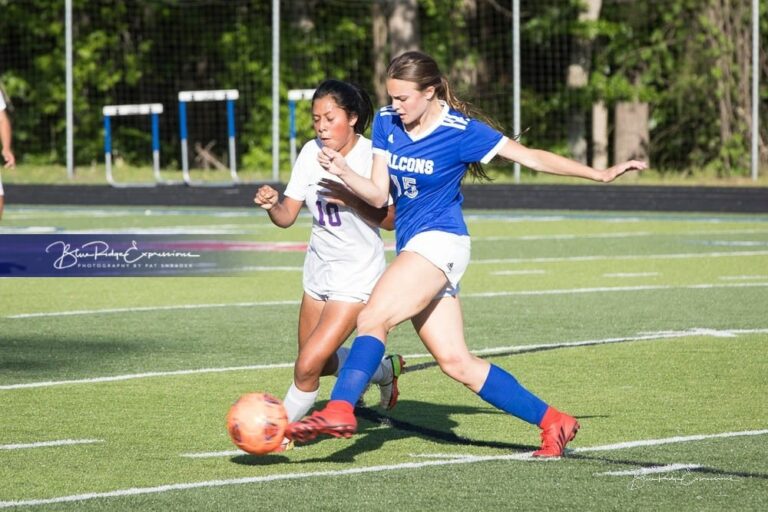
422	70
350	98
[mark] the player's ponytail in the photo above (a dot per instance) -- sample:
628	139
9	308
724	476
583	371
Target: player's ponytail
421	69
350	98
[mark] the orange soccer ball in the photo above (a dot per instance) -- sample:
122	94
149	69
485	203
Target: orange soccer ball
256	423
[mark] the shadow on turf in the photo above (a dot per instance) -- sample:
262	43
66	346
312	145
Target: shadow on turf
426	420
369	438
52	350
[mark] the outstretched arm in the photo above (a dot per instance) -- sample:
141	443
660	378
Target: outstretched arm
544	161
282	213
374	191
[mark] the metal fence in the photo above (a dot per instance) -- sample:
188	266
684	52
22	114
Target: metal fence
675	81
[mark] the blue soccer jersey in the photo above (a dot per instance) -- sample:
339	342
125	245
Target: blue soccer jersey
426	170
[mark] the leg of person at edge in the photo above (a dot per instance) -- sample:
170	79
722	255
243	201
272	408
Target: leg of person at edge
423	145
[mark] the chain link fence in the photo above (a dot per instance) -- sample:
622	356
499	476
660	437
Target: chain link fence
601	80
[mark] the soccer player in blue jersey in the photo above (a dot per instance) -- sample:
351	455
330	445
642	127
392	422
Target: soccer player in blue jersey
423	145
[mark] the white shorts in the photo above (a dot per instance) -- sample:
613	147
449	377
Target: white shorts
2	193
346	280
361	297
447	251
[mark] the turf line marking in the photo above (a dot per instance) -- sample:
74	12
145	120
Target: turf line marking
155	308
454	459
563	237
632	274
209	455
117	378
518	272
738	278
717	333
652	470
604	289
670	256
668	440
48	444
479	295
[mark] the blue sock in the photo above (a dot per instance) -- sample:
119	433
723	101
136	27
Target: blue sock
503	391
364	357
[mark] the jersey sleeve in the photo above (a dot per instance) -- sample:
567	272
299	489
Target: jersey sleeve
480	143
301	173
380	130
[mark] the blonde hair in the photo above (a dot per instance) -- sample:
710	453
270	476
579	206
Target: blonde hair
422	70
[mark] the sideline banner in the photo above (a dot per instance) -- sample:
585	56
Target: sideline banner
96	255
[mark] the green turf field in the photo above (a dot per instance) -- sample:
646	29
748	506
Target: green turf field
651	328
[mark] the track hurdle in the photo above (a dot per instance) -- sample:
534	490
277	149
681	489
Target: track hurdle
151	109
228	95
295	95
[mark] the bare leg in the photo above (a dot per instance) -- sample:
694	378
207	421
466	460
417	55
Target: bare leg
441	327
323	328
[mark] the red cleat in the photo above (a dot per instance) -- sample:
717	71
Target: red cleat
336	420
557	430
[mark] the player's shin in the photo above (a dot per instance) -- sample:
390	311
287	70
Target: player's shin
503	391
363	360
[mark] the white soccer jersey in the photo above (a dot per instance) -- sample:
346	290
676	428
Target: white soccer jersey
345	256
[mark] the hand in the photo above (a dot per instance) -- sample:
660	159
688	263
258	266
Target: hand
10	160
336	193
266	197
332	161
617	170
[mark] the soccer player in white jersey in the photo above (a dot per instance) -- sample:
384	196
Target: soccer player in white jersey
345	254
5	142
423	145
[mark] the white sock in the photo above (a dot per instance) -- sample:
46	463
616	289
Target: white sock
297	402
383	373
342	353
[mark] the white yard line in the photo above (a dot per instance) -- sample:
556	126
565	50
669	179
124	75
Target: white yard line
518	272
147	375
567	236
668	440
608	289
442	460
49	444
716	333
669	468
563	291
632	274
671	256
154	308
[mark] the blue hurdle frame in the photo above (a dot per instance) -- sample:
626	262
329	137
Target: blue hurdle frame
227	95
151	109
295	95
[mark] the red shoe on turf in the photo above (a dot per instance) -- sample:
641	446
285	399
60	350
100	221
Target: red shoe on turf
557	430
336	420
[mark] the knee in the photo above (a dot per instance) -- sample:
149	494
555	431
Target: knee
457	366
372	320
308	367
